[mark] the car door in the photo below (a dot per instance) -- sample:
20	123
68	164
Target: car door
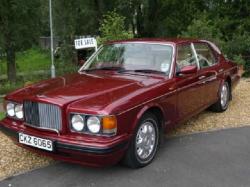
188	87
208	64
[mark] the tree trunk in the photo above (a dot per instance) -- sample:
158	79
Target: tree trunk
139	21
11	64
152	18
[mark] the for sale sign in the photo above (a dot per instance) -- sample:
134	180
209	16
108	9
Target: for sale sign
85	43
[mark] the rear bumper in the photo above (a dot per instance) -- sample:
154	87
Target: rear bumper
90	155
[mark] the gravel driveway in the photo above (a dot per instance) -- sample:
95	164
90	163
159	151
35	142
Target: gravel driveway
14	159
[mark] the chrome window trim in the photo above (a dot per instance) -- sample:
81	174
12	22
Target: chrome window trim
195	55
137	42
209	47
190	44
89	59
213	46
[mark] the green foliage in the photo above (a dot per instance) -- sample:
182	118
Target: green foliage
235	45
19	29
239	60
205	28
113	28
33	59
174	16
2	115
33	65
19	22
239	44
72	19
227	23
7	87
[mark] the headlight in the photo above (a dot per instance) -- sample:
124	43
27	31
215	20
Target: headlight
94	124
10	109
77	122
104	125
19	111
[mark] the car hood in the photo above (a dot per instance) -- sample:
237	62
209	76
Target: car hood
97	90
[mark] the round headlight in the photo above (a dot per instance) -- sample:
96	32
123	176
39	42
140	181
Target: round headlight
19	111
77	122
10	109
94	124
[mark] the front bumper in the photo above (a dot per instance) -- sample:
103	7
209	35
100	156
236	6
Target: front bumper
86	153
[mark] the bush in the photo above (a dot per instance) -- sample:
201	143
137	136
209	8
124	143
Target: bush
235	47
203	28
7	87
239	60
113	28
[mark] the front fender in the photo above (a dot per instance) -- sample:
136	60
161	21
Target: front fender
142	111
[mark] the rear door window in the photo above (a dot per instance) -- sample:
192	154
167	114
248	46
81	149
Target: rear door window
205	55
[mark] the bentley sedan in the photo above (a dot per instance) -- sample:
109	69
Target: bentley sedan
120	103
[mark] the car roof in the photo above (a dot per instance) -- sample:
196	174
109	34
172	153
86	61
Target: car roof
158	40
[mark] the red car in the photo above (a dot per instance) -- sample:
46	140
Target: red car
121	102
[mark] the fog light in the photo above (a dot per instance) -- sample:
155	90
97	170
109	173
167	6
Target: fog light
77	122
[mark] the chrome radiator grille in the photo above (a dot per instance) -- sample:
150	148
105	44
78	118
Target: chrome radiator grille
41	115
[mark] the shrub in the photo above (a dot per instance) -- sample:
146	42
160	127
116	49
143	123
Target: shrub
113	28
235	47
203	28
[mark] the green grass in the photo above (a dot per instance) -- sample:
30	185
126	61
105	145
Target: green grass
2	115
7	87
32	66
27	61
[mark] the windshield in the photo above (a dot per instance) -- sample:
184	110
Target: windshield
132	57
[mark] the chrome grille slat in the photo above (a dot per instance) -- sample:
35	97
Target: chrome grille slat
42	115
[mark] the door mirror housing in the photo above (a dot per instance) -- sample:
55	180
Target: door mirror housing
187	70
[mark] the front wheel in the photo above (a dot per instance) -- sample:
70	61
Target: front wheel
224	96
145	142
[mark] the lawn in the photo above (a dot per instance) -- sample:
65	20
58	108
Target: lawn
32	65
27	61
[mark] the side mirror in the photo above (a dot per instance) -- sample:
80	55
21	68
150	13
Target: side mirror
187	70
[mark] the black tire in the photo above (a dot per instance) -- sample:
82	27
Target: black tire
131	158
220	106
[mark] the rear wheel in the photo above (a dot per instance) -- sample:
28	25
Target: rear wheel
222	104
145	142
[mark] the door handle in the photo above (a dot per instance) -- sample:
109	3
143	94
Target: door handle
202	77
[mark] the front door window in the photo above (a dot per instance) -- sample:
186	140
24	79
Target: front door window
185	57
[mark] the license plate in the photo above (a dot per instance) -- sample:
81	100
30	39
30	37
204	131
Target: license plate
36	142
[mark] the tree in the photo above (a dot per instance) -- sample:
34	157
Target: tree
78	18
19	22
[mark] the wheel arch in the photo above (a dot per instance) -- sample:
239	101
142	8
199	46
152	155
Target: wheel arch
155	109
